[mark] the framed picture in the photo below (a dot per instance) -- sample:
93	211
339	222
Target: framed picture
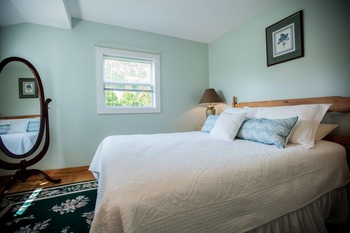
285	40
27	88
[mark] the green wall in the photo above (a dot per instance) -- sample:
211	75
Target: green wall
238	59
65	60
9	92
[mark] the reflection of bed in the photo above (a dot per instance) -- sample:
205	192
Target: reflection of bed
19	133
202	182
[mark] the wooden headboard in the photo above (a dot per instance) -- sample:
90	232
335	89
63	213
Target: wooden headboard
18	117
339	104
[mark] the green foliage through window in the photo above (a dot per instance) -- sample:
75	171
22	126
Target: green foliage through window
128	82
127	98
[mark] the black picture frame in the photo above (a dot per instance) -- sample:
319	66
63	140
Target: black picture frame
27	88
285	40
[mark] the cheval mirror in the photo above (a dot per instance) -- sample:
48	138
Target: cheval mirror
24	120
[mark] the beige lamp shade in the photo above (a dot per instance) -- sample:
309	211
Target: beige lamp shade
210	97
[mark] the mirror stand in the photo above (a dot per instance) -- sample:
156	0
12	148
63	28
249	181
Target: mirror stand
23	174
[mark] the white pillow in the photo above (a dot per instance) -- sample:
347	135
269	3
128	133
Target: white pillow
250	112
18	126
310	116
323	130
227	126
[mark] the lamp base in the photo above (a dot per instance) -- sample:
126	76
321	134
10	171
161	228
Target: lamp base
210	111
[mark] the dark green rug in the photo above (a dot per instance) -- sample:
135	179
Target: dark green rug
66	208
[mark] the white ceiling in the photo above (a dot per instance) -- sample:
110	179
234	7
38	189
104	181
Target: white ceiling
198	20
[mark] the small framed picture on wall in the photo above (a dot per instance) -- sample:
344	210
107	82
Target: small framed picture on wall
284	40
27	88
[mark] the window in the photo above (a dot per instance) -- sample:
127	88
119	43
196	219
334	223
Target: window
127	81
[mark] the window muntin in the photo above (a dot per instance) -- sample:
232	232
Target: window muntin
128	81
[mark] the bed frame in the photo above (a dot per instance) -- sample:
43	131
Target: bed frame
18	117
339	104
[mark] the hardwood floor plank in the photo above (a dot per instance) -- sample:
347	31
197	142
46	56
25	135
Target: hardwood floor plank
68	175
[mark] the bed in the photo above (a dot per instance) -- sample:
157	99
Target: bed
19	133
229	177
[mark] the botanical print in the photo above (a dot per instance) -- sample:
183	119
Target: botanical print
28	88
283	40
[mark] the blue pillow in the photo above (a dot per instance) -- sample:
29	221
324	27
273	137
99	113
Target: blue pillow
33	126
4	129
267	131
209	123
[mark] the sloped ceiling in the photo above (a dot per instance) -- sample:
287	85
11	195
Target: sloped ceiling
198	20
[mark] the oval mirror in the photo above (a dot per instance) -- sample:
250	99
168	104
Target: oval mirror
23	120
21	108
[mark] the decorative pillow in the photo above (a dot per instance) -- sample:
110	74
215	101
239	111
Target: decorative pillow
250	112
227	126
33	126
209	123
323	130
309	117
18	126
4	129
267	131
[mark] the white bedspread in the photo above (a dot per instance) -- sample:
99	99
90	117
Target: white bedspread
19	143
188	182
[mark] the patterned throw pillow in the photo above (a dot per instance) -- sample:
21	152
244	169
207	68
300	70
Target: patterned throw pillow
33	126
4	129
309	118
209	123
267	131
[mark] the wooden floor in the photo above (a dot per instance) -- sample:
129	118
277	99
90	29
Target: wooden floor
68	175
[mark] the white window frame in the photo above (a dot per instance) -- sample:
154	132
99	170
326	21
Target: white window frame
101	107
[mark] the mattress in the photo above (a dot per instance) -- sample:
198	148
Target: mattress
189	182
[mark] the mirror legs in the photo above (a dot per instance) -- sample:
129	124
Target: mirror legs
23	174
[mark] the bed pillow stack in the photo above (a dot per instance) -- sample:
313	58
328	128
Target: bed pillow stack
309	118
19	125
271	125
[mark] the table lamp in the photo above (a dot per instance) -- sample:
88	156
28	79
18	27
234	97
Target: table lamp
210	98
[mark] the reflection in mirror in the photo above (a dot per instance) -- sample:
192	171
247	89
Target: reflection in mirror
19	108
24	120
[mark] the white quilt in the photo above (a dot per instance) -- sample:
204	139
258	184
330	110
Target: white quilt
189	182
19	143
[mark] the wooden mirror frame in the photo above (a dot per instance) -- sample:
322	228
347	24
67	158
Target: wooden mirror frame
22	172
43	113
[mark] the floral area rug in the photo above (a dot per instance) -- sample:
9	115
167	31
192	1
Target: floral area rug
64	209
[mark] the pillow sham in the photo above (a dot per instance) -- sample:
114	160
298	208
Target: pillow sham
227	126
250	112
323	130
4	129
309	117
18	126
33	126
209	123
267	131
